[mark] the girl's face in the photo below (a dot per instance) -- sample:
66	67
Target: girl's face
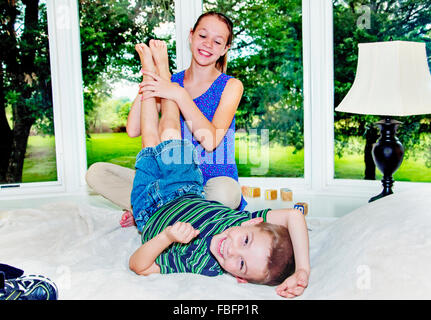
208	41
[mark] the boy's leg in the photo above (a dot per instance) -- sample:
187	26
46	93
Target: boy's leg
180	168
169	126
149	116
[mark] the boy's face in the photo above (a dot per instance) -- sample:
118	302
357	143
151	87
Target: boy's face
242	251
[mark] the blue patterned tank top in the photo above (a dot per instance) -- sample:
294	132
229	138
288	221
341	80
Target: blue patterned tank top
220	162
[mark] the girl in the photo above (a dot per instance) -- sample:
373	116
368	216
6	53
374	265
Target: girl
207	99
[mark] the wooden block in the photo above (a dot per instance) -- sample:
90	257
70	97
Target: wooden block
270	194
286	194
252	192
301	206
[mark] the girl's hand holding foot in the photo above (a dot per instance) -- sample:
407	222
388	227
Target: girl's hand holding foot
158	87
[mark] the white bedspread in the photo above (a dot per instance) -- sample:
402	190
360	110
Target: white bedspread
380	251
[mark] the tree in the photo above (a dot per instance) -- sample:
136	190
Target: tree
109	30
389	19
25	82
267	58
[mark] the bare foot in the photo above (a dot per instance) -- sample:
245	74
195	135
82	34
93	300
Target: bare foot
159	50
146	57
127	219
147	64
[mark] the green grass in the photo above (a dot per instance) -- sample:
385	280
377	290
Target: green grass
279	162
118	148
40	160
353	167
122	151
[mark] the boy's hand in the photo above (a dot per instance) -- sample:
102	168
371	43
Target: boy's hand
294	285
182	232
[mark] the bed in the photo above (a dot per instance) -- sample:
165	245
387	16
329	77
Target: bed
379	251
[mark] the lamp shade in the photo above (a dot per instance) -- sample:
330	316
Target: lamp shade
392	79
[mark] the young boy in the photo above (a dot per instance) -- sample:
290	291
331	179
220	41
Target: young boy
183	232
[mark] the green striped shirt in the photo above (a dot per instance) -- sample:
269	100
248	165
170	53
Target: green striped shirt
209	217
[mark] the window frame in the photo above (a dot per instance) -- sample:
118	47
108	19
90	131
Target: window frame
69	122
68	106
318	92
322	12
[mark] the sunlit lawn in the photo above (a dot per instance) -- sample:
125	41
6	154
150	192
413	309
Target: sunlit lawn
117	148
282	161
353	167
40	160
122	150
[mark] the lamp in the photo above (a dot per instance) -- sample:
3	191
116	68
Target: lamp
392	79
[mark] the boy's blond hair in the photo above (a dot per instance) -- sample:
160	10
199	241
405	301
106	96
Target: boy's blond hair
281	261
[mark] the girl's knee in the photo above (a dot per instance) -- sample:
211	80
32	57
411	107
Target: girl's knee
224	190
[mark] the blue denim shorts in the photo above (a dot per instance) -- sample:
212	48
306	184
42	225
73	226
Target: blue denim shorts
164	173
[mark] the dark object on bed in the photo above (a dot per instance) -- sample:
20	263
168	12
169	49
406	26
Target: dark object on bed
10	272
388	154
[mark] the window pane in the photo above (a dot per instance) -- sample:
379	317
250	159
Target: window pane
370	21
266	55
110	65
27	146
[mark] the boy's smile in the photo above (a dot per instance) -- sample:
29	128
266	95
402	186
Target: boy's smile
242	251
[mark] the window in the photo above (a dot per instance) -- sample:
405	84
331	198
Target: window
27	146
266	56
370	21
110	66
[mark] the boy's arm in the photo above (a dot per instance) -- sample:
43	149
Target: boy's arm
143	260
295	223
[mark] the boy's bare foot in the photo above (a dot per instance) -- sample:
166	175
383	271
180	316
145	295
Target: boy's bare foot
127	219
159	50
146	57
147	64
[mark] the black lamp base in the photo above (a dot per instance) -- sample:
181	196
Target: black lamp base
387	189
388	154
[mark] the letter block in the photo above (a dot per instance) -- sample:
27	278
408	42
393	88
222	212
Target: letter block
270	194
301	206
286	194
252	192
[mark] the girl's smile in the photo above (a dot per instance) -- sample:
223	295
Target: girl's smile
204	53
209	39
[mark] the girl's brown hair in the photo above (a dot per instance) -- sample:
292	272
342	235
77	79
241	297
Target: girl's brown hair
221	63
